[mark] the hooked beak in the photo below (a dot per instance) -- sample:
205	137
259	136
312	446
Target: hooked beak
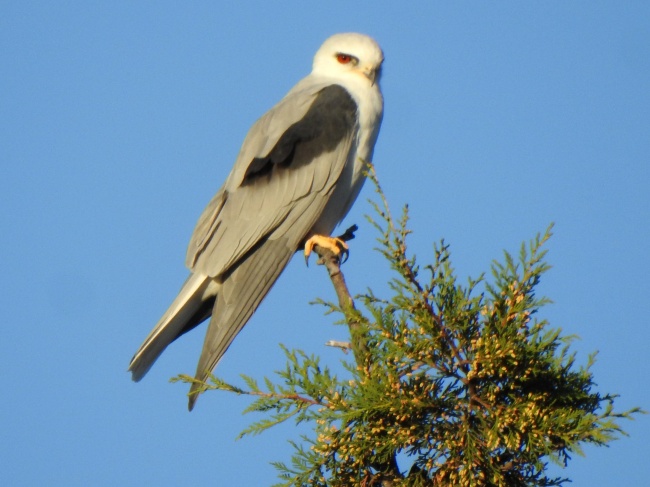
371	74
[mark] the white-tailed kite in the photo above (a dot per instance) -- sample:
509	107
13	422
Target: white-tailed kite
297	174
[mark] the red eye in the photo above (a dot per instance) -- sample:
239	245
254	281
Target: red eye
343	58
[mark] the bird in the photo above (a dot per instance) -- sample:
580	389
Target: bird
298	172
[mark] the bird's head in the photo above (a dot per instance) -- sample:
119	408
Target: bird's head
349	55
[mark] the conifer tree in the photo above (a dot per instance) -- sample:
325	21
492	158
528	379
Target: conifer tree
449	384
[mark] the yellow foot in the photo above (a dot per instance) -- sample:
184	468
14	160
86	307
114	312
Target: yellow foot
336	245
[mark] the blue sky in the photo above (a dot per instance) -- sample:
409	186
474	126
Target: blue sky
119	122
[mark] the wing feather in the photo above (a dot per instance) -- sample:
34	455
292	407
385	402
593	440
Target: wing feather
308	155
261	224
238	298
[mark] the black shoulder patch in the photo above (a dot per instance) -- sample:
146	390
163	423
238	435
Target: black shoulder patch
330	118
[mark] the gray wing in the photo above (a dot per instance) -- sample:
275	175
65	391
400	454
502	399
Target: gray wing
268	206
296	151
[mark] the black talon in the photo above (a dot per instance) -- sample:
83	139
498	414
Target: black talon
345	253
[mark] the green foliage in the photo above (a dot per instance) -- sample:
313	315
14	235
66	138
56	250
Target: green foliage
467	387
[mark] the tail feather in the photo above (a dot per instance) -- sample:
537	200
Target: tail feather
192	306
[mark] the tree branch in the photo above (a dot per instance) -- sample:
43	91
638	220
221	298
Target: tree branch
332	262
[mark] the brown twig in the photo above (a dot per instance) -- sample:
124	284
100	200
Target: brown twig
332	263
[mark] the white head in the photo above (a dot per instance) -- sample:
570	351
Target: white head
349	55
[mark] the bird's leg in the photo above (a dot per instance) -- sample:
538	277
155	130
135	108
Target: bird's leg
335	244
